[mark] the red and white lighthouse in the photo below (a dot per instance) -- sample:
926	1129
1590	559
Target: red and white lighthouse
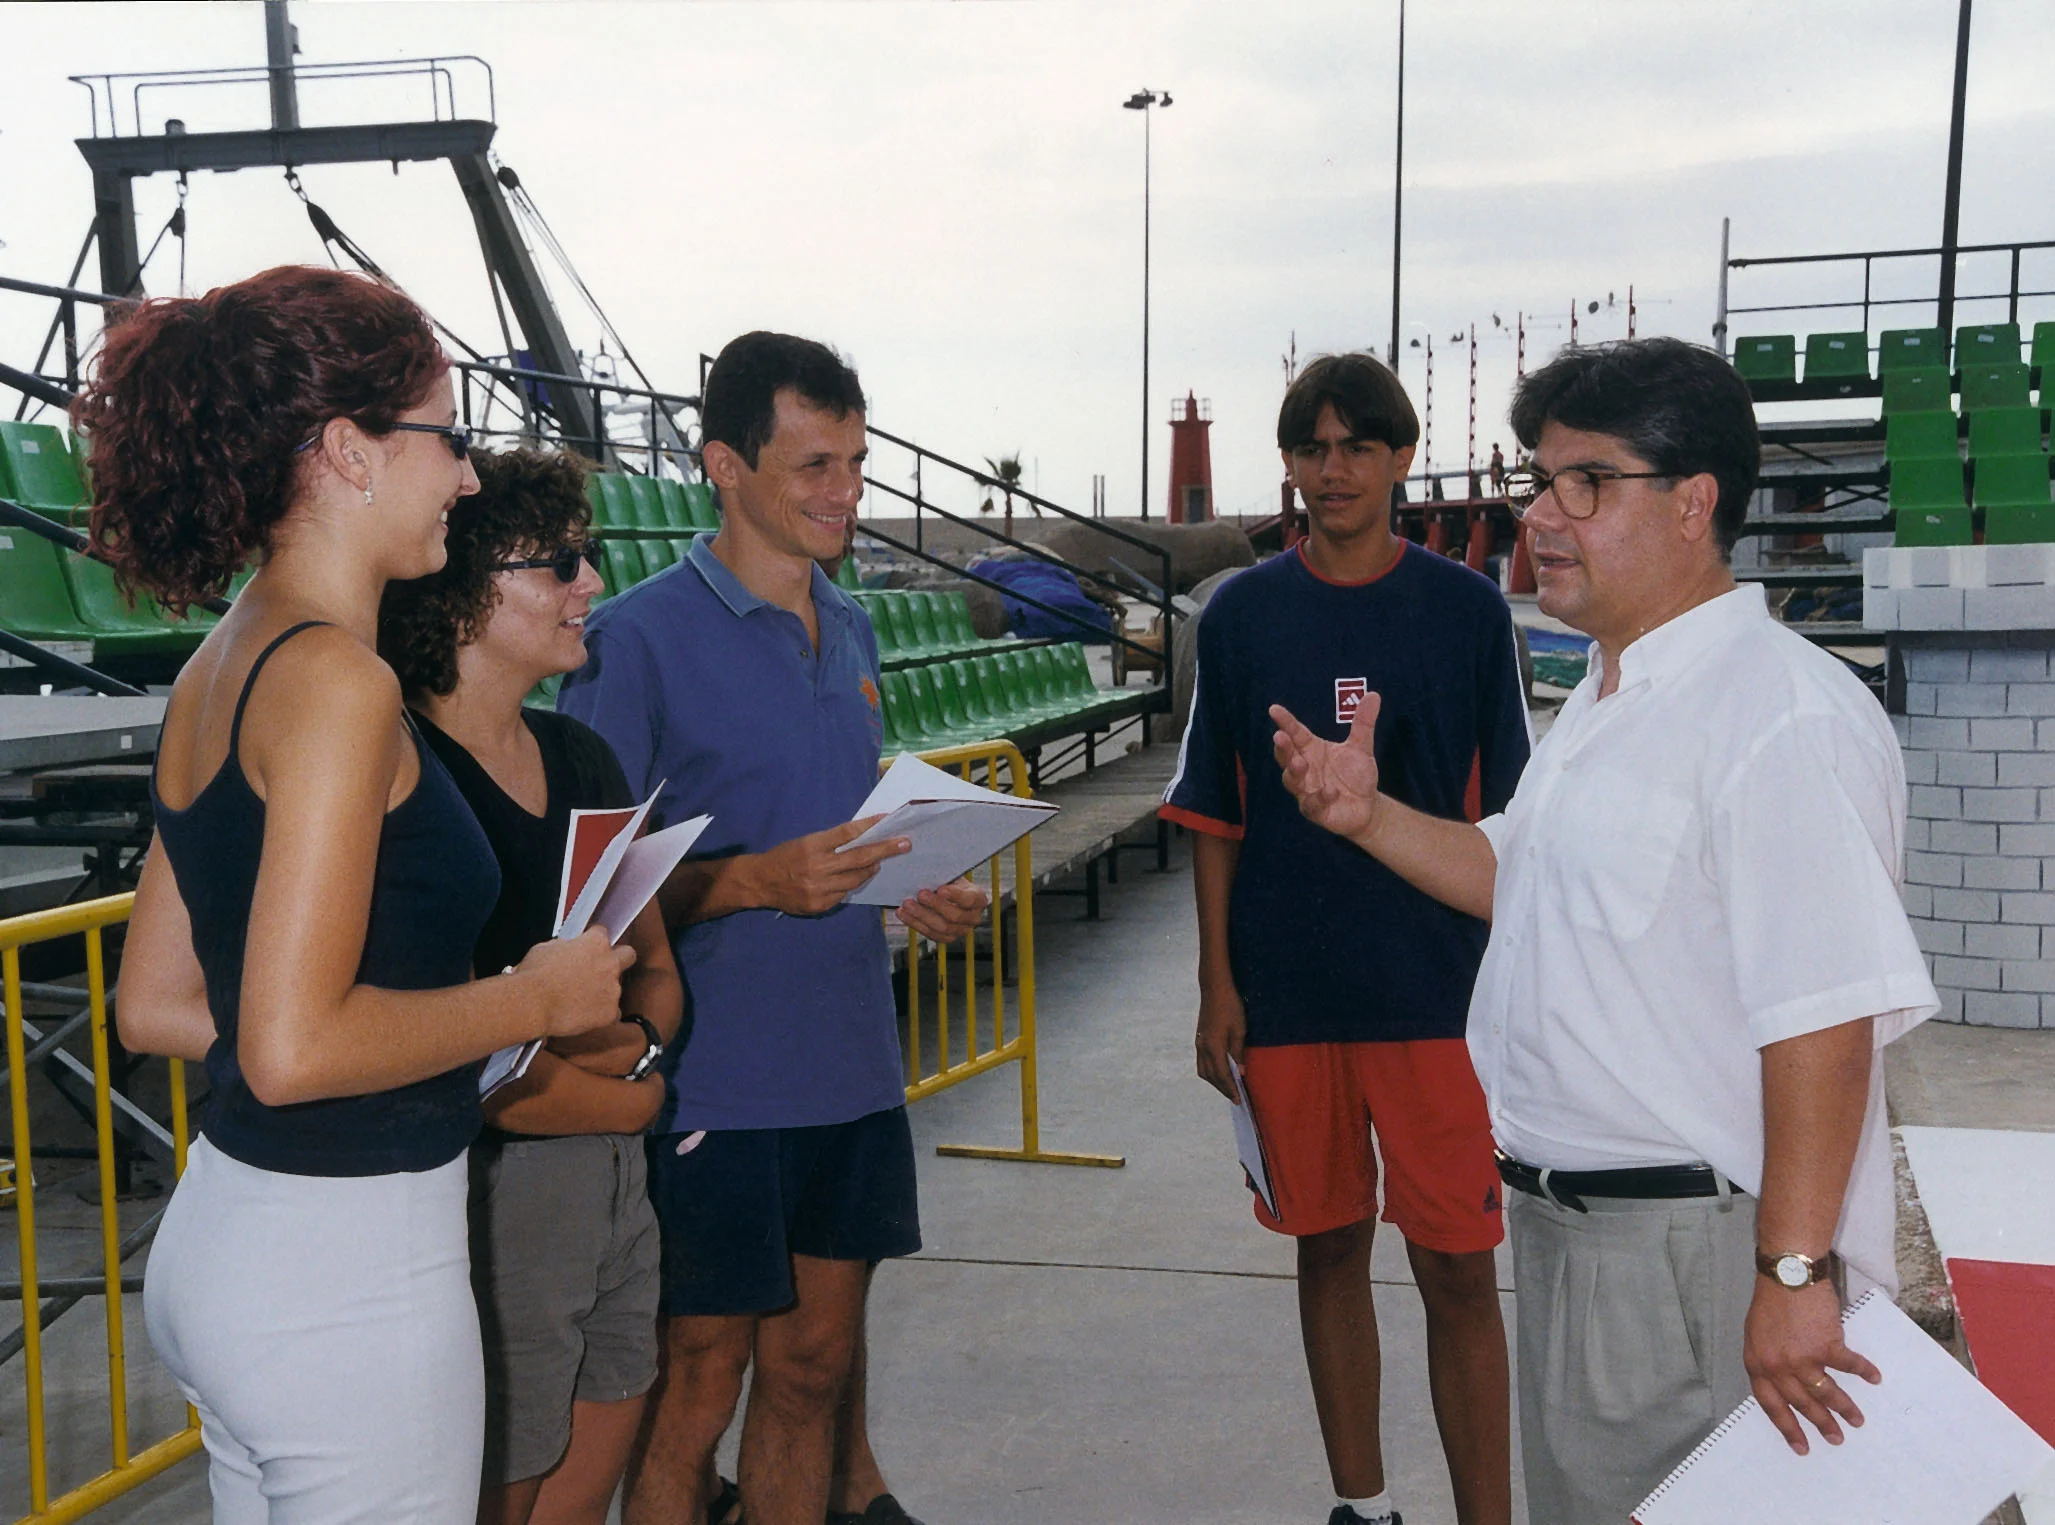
1191	461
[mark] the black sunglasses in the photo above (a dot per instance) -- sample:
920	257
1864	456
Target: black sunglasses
457	436
564	563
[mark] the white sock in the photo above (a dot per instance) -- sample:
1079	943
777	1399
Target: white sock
1370	1510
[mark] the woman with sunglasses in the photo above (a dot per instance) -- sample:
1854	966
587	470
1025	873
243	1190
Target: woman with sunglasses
564	1242
306	915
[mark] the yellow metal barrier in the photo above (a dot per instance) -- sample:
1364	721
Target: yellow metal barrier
90	918
986	1045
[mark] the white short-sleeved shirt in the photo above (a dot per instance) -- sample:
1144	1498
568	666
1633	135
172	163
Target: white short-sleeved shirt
1704	863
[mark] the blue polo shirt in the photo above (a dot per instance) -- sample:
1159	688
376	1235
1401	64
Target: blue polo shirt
696	682
1327	945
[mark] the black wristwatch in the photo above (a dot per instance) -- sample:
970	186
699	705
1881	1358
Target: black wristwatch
651	1054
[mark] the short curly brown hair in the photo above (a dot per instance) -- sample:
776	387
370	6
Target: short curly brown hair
528	503
197	406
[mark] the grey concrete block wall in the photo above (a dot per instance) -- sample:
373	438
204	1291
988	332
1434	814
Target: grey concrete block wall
1978	737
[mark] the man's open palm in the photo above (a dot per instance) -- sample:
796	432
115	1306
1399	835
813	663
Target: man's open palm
1335	782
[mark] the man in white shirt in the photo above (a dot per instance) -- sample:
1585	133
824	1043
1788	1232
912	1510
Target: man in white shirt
1697	948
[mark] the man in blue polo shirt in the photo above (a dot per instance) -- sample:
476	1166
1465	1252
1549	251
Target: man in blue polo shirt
781	1168
1339	989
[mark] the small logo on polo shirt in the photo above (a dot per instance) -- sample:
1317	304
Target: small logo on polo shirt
870	689
1491	1201
1348	693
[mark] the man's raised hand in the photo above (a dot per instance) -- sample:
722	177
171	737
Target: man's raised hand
1335	782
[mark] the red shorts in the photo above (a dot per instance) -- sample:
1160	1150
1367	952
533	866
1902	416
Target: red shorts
1315	1105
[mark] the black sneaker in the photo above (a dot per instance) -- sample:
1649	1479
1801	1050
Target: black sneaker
1344	1515
882	1510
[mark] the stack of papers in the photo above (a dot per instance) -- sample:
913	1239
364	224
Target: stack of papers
610	873
1248	1143
954	825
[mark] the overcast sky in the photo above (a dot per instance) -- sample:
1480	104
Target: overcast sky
951	194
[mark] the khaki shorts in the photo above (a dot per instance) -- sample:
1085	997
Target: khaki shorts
564	1259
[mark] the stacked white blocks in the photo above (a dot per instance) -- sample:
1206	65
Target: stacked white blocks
1959	587
1978	738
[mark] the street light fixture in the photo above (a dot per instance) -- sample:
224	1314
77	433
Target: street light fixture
1141	101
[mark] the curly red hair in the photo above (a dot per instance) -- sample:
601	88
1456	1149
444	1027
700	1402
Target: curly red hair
197	407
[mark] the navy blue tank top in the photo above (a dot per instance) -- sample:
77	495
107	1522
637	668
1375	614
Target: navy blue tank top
435	883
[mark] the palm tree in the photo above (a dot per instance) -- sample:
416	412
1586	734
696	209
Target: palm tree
1006	475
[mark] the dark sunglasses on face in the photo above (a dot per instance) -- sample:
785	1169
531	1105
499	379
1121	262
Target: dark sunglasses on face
564	562
456	436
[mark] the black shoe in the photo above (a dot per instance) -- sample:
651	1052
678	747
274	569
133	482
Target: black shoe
1344	1515
882	1510
725	1508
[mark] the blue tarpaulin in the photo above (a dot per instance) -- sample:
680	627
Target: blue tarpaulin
1051	586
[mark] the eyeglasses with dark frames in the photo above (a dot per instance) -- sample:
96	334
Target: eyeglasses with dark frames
1575	487
458	437
563	562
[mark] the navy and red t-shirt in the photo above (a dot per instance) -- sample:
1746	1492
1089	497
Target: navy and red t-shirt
1327	944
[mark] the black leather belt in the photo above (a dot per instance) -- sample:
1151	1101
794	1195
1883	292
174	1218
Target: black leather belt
1569	1188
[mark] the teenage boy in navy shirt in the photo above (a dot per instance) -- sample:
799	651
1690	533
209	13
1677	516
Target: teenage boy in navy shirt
746	684
1340	989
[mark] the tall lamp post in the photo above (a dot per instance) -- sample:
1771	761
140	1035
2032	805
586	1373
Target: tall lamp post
1141	101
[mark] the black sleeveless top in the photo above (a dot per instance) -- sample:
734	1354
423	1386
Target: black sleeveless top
434	884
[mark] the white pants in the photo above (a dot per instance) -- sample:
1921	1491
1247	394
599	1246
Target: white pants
325	1329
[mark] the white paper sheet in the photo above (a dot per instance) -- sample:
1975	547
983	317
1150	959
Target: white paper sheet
1935	1447
954	826
507	1065
1248	1144
641	872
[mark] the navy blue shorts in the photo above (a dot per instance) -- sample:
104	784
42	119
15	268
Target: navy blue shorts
736	1207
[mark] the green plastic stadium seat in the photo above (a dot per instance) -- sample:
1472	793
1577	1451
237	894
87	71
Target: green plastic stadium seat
2019	524
648	501
992	684
2012	479
902	720
1921	436
977	699
613	501
658	556
921	606
1978	342
898	611
41	471
949	697
117	624
927	706
1772	357
681	547
846	576
1996	431
1932	526
1020	688
1076	665
677	512
703	509
1837	357
1917	389
1995	384
34	601
1927	484
1901	348
2043	354
621	570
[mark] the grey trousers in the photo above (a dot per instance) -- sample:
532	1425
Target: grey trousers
1629	1347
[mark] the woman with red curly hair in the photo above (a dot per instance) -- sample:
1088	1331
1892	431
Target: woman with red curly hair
306	915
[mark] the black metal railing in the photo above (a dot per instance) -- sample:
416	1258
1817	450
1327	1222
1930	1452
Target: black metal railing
35	384
1868	259
110	92
499	401
1122	580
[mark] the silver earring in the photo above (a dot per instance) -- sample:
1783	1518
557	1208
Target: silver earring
367	493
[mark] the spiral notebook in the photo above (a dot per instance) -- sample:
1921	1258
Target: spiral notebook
1935	1447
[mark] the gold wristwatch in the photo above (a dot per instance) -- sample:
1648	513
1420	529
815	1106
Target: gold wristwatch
1794	1270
